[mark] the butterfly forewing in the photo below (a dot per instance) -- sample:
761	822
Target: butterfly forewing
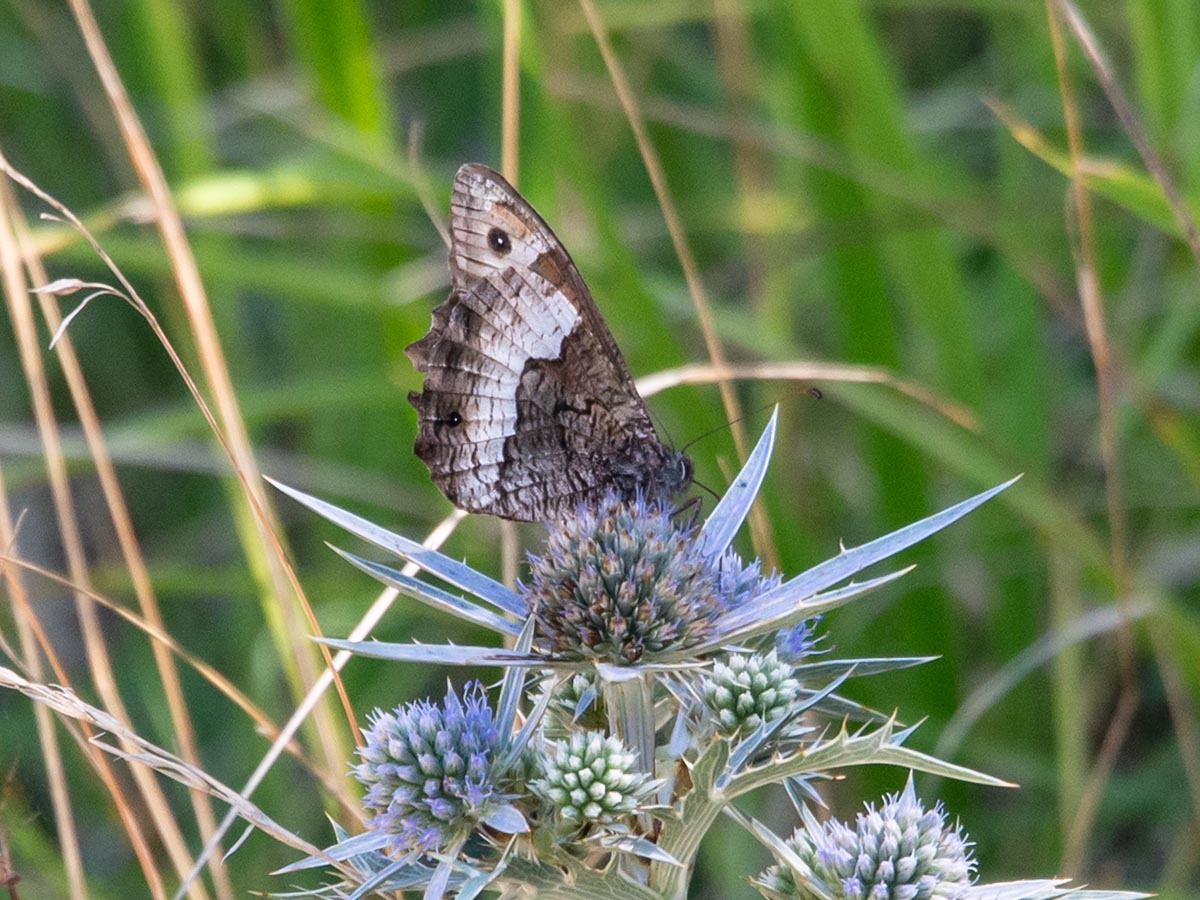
485	213
528	407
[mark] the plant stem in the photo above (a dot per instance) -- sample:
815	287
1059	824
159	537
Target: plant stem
630	707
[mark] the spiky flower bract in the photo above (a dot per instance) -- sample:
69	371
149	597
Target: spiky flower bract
428	769
573	691
901	851
746	689
591	779
620	581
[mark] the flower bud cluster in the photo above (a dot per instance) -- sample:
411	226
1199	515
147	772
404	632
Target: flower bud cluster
746	689
619	581
591	779
428	768
899	852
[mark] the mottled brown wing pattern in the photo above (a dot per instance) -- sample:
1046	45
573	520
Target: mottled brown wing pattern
527	406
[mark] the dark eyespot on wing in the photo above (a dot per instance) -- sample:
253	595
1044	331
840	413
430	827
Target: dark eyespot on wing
499	241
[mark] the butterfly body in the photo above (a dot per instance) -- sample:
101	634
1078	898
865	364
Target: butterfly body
528	407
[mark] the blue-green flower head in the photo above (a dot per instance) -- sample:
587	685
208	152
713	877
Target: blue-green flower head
739	582
901	851
800	641
591	779
744	690
619	581
428	769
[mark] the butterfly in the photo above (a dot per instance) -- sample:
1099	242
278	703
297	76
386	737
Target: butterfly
528	407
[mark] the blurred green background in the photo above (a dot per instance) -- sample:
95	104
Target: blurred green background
882	183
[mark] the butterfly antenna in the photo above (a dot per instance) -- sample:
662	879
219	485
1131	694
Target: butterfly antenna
701	484
812	391
692	508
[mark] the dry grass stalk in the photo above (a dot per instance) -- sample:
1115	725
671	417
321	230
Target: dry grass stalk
130	294
99	661
56	775
1107	390
263	724
807	372
759	527
510	146
147	755
1183	714
127	540
285	588
1130	122
510	106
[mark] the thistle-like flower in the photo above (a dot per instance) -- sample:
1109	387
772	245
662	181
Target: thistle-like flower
624	610
899	852
619	581
591	779
746	689
428	769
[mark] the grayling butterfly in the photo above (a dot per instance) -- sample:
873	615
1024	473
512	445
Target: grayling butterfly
528	406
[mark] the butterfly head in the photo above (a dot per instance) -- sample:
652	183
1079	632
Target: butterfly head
675	475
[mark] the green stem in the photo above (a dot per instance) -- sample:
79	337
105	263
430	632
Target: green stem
630	708
681	837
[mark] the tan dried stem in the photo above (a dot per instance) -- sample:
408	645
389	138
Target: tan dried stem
56	775
510	142
1130	122
510	106
118	511
99	762
98	659
8	875
132	296
81	730
1183	710
286	588
263	724
758	523
806	372
1107	390
735	60
1084	819
148	755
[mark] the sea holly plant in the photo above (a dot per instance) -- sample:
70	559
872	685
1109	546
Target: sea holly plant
653	679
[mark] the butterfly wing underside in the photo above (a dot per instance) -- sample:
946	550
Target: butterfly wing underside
528	407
